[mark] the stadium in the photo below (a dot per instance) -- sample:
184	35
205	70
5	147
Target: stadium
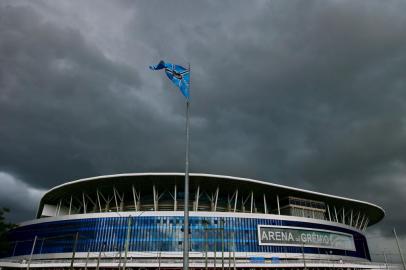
136	221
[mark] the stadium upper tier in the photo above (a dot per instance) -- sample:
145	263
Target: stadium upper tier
208	193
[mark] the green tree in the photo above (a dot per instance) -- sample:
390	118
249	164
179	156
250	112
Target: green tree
4	228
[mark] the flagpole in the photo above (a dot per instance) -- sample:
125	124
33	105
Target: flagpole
186	202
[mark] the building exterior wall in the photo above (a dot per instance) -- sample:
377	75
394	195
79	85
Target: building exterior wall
163	232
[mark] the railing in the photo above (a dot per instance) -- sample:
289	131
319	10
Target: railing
218	262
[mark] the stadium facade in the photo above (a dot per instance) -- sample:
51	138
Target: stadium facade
136	221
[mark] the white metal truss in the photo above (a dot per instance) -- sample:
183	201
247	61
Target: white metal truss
87	202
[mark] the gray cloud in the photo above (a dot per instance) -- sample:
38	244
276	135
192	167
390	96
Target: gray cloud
304	93
21	198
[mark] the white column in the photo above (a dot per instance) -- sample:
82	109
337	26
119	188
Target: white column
362	221
265	206
134	198
328	210
115	198
236	200
155	197
70	205
351	218
252	200
98	200
277	201
335	212
343	216
216	198
175	203
58	207
356	223
366	224
84	203
197	198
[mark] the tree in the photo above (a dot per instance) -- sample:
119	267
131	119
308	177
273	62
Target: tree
4	228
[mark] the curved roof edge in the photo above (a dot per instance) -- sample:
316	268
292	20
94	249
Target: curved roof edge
219	176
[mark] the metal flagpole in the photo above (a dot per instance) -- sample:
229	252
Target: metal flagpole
186	203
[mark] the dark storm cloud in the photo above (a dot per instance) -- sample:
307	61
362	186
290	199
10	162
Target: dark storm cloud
64	110
307	93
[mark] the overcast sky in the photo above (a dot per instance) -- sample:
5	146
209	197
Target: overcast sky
309	94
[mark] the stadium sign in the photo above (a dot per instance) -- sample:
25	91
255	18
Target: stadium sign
294	236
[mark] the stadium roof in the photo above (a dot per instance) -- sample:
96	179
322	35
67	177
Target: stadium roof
210	181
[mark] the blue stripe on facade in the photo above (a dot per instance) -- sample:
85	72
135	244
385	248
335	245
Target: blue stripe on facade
165	233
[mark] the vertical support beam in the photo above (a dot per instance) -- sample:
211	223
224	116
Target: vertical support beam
304	259
277	202
206	245
121	201
236	200
84	203
175	202
229	251
215	248
87	258
58	209
40	250
98	200
335	212
134	198
127	241
265	206
70	205
329	213
351	214
229	202
362	221
343	216
216	198
233	239
99	257
197	198
154	194
139	204
365	224
15	246
32	252
356	223
252	201
115	198
159	260
222	243
75	244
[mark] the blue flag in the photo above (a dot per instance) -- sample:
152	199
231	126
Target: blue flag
177	74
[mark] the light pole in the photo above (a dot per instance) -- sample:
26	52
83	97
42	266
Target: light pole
222	243
215	230
400	251
32	252
127	240
74	250
304	259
